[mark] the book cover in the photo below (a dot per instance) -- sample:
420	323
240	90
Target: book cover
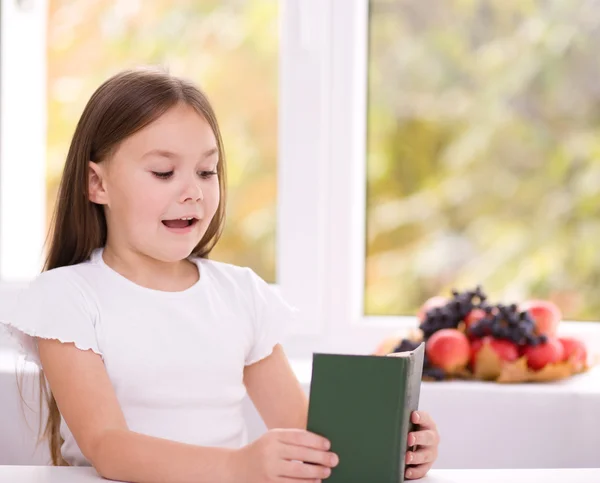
362	404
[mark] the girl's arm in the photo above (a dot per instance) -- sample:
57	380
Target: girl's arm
87	401
276	392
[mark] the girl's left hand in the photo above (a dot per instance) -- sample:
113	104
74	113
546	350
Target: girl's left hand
427	439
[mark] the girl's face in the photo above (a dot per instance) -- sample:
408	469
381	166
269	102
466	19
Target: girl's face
157	179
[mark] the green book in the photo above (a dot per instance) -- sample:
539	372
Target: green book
362	404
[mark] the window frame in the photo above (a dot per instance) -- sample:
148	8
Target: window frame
303	70
344	327
22	138
321	209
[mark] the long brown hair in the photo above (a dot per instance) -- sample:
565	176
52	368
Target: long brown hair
122	105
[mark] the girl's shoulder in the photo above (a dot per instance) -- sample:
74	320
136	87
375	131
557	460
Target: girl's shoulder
56	304
63	282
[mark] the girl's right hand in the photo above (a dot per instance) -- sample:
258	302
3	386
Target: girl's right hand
280	455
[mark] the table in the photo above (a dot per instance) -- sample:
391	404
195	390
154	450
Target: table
49	474
489	425
482	425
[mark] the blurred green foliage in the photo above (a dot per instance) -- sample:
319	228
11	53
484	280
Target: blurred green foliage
229	48
483	152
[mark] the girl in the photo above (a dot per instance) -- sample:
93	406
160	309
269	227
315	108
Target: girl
148	347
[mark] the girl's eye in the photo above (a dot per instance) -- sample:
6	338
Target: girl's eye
207	174
165	175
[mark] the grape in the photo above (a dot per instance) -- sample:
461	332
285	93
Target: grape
434	372
502	321
406	345
500	332
455	311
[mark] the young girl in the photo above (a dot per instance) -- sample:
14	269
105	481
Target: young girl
147	346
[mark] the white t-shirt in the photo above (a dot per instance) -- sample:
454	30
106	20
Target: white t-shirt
175	359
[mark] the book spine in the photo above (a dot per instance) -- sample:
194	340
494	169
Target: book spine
401	424
412	390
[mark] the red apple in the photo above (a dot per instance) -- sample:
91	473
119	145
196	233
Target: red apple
474	316
546	315
540	355
575	350
476	345
430	303
506	350
448	349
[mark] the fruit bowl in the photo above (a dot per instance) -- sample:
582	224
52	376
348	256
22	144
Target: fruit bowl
466	337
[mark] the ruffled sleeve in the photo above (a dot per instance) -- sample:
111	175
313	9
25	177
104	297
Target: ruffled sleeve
52	306
273	318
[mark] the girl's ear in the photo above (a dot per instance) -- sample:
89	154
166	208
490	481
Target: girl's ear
96	184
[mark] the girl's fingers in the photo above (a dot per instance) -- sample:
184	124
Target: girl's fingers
303	471
421	456
425	437
309	455
415	472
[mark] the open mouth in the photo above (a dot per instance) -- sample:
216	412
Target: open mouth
180	222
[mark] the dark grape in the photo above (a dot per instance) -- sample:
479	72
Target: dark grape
434	372
502	321
406	345
501	332
516	336
454	312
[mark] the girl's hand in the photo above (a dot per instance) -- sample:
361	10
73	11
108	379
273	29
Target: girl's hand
280	455
427	439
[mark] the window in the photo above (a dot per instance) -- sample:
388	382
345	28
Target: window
483	155
262	63
387	151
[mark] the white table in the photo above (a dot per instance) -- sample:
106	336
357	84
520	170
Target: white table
482	425
489	425
49	474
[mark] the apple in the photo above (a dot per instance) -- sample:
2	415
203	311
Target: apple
575	350
476	345
448	349
430	303
546	315
548	353
504	349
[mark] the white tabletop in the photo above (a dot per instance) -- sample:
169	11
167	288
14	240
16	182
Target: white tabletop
50	474
488	425
482	425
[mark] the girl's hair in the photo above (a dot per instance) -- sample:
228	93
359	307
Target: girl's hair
122	105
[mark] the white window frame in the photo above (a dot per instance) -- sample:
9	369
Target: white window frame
22	138
345	327
321	211
342	323
303	141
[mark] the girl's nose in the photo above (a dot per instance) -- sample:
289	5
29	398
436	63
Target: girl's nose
192	191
